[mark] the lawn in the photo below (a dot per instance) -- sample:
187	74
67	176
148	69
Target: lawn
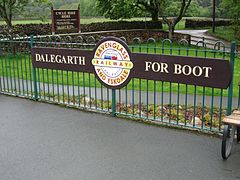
226	33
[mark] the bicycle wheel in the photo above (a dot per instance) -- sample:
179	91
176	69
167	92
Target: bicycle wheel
227	140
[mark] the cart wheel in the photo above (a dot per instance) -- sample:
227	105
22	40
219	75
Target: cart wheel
227	140
238	134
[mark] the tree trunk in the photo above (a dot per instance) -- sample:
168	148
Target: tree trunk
171	28
154	15
8	21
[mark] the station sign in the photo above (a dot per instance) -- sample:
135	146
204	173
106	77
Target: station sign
114	65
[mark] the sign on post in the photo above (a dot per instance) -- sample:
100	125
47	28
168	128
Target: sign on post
114	65
65	21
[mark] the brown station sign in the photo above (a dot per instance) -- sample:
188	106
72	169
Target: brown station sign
114	65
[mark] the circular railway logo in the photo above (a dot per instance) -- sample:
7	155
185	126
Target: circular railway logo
112	62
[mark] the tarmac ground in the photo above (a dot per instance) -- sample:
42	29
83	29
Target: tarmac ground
44	141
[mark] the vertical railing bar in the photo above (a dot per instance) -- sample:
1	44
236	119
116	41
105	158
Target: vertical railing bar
126	99
186	104
63	89
90	91
220	109
147	99
73	89
31	70
108	99
113	102
230	88
154	100
140	97
22	74
133	97
44	89
203	106
6	66
10	72
194	105
170	102
95	90
58	88
68	88
102	97
84	91
34	74
178	103
3	75
79	100
53	84
48	86
14	71
120	101
212	104
39	83
26	71
162	101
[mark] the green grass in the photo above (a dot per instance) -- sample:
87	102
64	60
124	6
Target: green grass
226	33
19	65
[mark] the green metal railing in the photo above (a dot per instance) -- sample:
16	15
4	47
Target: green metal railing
166	102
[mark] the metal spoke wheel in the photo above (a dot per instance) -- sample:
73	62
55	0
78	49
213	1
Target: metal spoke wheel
227	140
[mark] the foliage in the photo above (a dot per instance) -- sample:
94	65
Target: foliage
193	10
10	7
117	9
232	9
182	6
120	9
124	9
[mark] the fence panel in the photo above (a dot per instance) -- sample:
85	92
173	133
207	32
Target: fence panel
171	103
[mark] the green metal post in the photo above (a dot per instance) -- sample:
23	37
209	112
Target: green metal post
34	75
113	102
230	89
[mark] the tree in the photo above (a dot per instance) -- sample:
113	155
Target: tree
151	6
9	7
182	6
117	9
122	9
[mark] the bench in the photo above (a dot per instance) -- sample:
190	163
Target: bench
230	131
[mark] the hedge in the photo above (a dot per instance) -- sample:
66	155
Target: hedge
44	29
191	23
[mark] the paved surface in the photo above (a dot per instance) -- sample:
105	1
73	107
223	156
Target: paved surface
46	142
198	35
